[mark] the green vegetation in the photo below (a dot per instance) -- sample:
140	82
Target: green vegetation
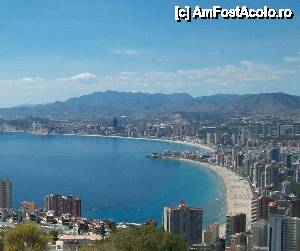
53	235
1	245
139	239
25	237
205	249
295	187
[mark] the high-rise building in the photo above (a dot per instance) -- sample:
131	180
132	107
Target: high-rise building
234	139
278	130
284	233
244	135
295	208
288	161
211	235
233	156
275	154
259	208
239	161
185	221
115	124
217	138
63	205
260	234
215	230
275	176
5	194
269	176
258	170
234	224
264	130
263	184
208	138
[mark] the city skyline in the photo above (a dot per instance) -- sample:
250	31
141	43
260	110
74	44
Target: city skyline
56	50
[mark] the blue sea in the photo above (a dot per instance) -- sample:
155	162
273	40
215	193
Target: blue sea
113	176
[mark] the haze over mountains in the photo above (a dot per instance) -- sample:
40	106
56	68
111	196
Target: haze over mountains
138	105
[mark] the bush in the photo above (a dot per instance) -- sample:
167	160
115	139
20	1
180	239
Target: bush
146	238
26	236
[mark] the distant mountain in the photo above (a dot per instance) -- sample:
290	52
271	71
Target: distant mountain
142	105
220	97
263	104
105	104
250	105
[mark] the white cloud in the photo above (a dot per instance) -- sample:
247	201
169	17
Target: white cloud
293	59
234	75
83	77
31	79
127	52
247	76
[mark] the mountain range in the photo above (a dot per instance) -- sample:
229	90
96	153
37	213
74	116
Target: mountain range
142	105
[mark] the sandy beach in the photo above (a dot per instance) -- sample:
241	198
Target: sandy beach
238	191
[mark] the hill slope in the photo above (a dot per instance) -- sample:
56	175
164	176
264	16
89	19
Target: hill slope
114	104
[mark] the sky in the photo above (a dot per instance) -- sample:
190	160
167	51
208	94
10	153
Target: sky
56	49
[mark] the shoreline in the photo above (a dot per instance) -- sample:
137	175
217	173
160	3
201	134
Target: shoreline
238	192
187	143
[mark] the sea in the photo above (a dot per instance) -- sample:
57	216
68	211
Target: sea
113	176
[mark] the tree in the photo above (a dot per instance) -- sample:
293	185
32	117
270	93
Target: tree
53	235
146	238
26	236
295	187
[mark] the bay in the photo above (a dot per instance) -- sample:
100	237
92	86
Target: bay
113	176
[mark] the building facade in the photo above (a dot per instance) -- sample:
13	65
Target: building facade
185	221
284	233
260	234
60	205
234	224
29	206
5	194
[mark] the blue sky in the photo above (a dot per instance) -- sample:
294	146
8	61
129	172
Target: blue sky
56	49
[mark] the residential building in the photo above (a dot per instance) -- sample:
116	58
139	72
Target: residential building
5	194
60	205
260	234
185	221
29	206
284	233
234	224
